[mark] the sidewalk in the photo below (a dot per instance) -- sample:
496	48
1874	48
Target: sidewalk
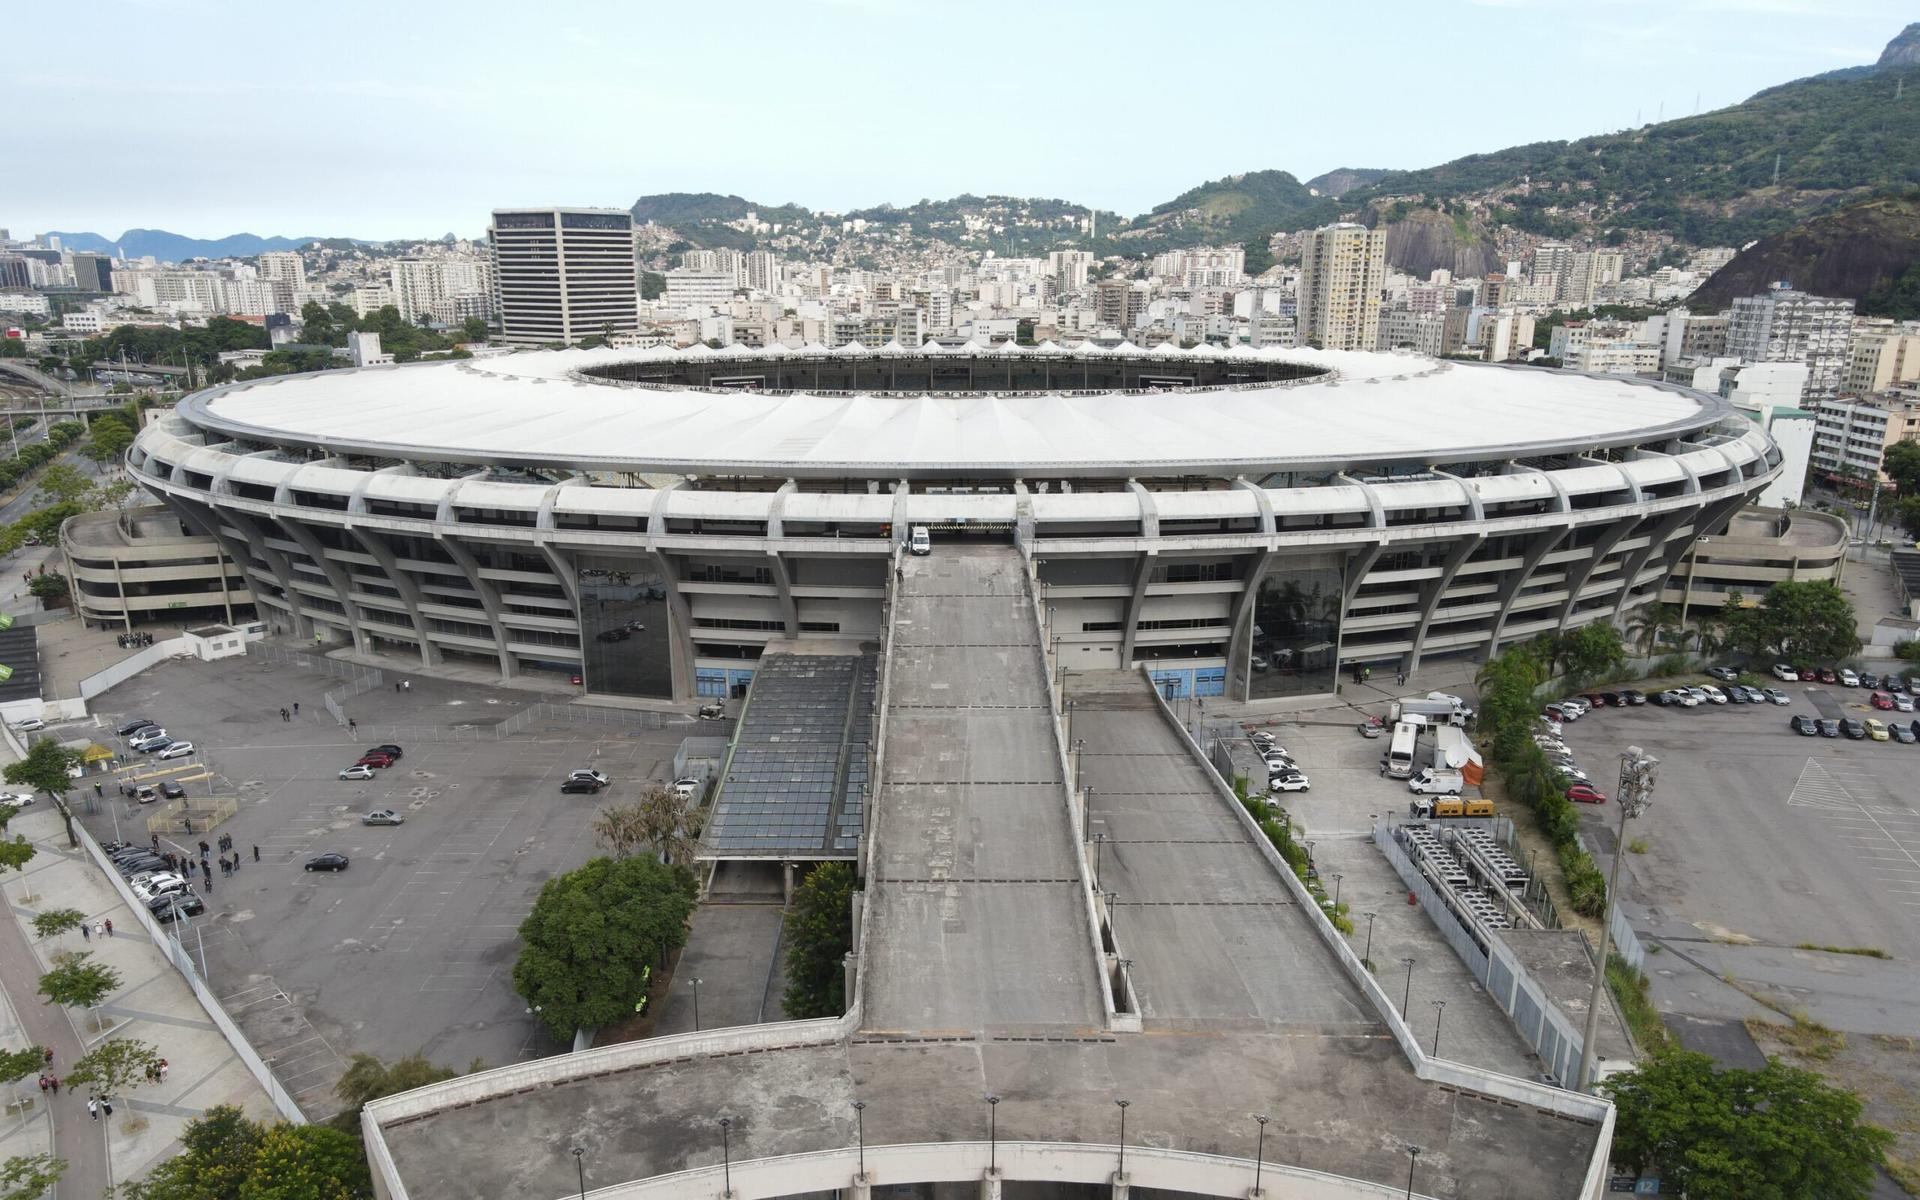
26	1129
154	1005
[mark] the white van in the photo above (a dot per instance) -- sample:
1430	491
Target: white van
919	541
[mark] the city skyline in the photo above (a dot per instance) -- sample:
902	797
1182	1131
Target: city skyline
447	120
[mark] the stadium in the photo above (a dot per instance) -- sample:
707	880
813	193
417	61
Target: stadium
1241	523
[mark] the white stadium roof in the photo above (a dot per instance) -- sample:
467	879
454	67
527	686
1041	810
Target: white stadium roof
535	408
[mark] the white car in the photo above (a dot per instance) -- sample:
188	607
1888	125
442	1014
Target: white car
1713	694
357	771
1577	704
16	799
176	750
30	725
1289	781
585	773
1682	697
162	884
1785	673
1902	702
1849	678
686	788
1279	762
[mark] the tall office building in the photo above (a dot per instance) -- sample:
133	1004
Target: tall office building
1788	326
1342	269
93	272
564	274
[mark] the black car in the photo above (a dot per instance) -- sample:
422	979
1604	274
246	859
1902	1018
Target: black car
1738	695
134	726
133	866
1661	699
1632	697
172	790
1893	683
1804	725
389	749
175	905
577	787
1870	681
327	862
1828	727
1853	728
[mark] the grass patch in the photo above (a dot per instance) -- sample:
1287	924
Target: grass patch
1804	1037
1630	993
1637	846
1905	1172
1863	951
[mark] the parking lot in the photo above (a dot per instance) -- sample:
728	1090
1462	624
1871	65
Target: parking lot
412	947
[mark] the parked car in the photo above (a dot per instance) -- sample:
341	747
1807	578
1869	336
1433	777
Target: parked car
1881	701
1902	702
158	885
1829	728
587	773
1869	680
1848	677
175	905
686	788
1803	725
150	740
1851	727
1713	695
327	862
129	728
576	787
16	799
1903	733
376	761
1726	674
1776	696
1679	697
30	725
389	749
172	790
1372	728
148	863
176	750
1586	793
1894	684
1876	729
382	816
1633	697
1826	675
357	771
1737	694
1594	699
1785	673
1287	781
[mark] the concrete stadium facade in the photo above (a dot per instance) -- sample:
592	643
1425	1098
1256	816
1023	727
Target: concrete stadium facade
1240	523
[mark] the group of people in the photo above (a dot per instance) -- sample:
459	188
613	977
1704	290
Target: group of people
129	641
289	714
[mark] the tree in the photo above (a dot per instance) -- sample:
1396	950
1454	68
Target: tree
1906	511
109	441
218	1152
44	769
56	921
307	1162
30	1177
63	484
1796	622
52	589
1592	650
16	1065
115	1066
1649	623
819	931
473	329
1902	465
594	936
368	1079
77	983
1778	1133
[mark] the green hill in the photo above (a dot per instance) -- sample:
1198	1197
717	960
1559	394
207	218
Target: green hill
1234	209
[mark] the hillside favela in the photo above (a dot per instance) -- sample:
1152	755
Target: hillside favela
866	600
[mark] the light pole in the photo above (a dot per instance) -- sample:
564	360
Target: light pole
1124	1104
1408	963
580	1167
1366	956
1413	1157
1439	1011
1638	771
993	1135
1337	877
696	1004
1260	1150
860	1123
1113	911
1099	852
726	1156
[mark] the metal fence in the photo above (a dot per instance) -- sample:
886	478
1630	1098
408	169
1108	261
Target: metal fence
1626	943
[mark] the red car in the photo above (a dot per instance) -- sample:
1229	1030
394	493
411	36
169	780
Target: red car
1826	675
1581	793
375	760
1881	700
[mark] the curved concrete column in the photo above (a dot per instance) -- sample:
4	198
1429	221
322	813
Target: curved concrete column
1260	497
404	583
1538	547
1149	512
489	596
1430	597
1581	570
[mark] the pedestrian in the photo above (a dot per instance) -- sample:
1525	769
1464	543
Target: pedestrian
296	708
99	930
209	884
352	725
396	685
97	791
84	935
106	1106
109	924
256	854
203	847
93	1108
163	1070
283	715
43	1081
156	843
53	1084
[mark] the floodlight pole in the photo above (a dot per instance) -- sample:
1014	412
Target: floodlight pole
1638	770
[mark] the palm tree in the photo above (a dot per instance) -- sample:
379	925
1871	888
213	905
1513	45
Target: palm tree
1649	624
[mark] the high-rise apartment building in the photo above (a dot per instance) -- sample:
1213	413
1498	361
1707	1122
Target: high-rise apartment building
284	265
1788	326
1882	357
93	272
563	274
1069	268
1342	269
419	283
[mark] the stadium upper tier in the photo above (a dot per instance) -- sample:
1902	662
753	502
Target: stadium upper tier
1002	414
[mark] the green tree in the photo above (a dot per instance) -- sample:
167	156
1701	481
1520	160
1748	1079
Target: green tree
1902	465
63	484
16	1065
1592	650
590	944
1796	622
819	933
29	1177
109	441
56	921
44	769
1649	623
1778	1133
368	1079
473	329
1906	511
217	1153
307	1162
76	982
52	589
116	1066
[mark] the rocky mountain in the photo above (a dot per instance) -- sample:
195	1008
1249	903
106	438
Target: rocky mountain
1344	179
1860	251
1425	240
1902	51
175	248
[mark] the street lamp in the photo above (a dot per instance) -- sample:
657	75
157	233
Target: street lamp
1413	1157
1439	1011
860	1123
696	1004
726	1156
1124	1105
1099	852
1408	963
1638	770
1366	956
1337	877
1260	1150
1113	911
993	1135
579	1165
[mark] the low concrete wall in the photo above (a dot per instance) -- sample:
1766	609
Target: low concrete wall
127	668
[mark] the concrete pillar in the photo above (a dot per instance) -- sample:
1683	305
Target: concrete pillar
849	975
786	884
990	1184
1122	1186
861	1188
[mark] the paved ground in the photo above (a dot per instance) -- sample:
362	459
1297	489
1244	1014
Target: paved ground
733	950
411	948
975	875
153	1005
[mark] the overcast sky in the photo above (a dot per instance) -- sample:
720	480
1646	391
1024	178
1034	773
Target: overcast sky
396	118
